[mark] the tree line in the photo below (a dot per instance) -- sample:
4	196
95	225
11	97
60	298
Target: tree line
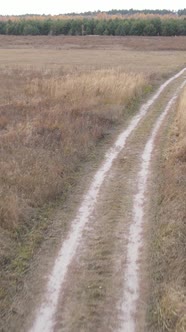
182	12
115	27
130	12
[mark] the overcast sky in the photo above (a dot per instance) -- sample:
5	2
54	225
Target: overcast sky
16	7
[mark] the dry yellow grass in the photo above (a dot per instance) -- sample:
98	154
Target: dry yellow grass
181	116
49	125
169	264
47	132
98	87
181	123
143	43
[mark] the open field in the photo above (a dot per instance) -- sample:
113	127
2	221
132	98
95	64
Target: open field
60	98
154	57
94	42
143	54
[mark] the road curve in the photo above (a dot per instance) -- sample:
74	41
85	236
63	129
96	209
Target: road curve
45	315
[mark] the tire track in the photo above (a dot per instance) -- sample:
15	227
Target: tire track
45	317
135	240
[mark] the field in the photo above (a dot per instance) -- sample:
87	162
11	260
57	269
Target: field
62	99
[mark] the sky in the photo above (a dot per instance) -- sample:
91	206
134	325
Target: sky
18	7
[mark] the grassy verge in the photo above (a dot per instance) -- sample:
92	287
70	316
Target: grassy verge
168	302
49	127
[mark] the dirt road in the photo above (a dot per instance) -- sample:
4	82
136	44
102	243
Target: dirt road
98	281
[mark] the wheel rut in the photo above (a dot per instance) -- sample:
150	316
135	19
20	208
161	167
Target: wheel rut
88	287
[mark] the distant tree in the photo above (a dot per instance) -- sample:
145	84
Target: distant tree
46	27
30	29
103	26
137	27
182	12
127	26
75	27
61	27
120	30
169	27
111	27
149	29
182	27
89	26
100	27
157	23
2	28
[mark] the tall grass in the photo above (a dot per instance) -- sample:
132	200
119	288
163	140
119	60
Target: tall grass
169	273
181	123
49	128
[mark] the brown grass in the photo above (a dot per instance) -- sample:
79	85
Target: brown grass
49	125
60	97
181	123
155	56
142	43
51	129
181	116
169	272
